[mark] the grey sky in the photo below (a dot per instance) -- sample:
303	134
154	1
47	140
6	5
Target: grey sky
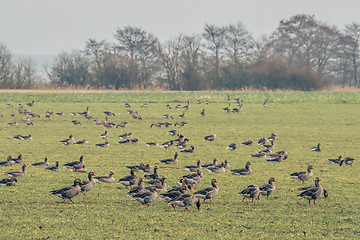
52	26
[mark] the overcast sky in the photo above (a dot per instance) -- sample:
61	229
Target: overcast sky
53	26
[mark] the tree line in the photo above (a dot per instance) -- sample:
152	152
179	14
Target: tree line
301	54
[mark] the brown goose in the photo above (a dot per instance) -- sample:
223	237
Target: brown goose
8	182
303	176
185	200
44	163
167	144
154	175
336	160
172	194
209	192
102	145
159	184
17	173
87	186
189	150
243	171
68	141
194	178
317	148
105	179
347	161
262	141
251	191
19	159
268	189
210	138
80	169
68	192
147	197
76	163
231	147
210	164
171	160
247	143
218	168
138	189
313	193
53	168
129	180
9	161
193	168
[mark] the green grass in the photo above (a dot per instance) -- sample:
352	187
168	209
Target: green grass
301	120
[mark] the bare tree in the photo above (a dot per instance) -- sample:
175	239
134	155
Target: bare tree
353	31
6	67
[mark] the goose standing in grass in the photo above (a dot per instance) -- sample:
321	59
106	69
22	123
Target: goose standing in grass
44	163
167	144
147	197
129	180
231	147
68	192
105	179
347	161
189	150
81	142
262	141
180	124
210	138
317	148
268	189
69	140
104	135
137	189
303	176
194	178
202	114
17	173
53	168
171	160
173	133
218	168
9	162
209	192
154	175
8	182
336	160
186	200
193	168
243	171
251	191
158	183
313	193
87	186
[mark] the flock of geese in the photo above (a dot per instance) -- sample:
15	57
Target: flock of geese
152	185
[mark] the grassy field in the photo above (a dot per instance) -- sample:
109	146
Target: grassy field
301	120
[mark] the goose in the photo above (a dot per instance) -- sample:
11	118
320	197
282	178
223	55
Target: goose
231	147
80	169
167	116
180	124
247	143
76	122
104	135
189	150
19	159
276	158
202	113
8	182
325	192
167	144
17	173
336	160
184	185
262	141
210	164
53	168
313	193
81	162
347	161
147	197
134	140
9	162
105	179
317	148
172	194
303	176
108	113
168	106
171	160
178	106
268	189
193	168
209	192
272	137
156	124
87	186
194	178
69	140
12	124
145	105
125	135
44	163
127	105
217	169
259	155
68	192
154	175
31	103
265	102
137	189
181	115
210	138
124	142
81	142
173	133
144	167
185	200
122	124
251	191
149	144
102	145
271	146
59	114
159	183
129	180
243	171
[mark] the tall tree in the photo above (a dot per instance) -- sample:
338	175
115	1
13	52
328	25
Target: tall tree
353	31
6	67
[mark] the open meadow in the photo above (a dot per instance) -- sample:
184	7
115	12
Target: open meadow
300	120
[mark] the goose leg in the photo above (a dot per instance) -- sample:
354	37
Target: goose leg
72	201
212	200
243	199
64	200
